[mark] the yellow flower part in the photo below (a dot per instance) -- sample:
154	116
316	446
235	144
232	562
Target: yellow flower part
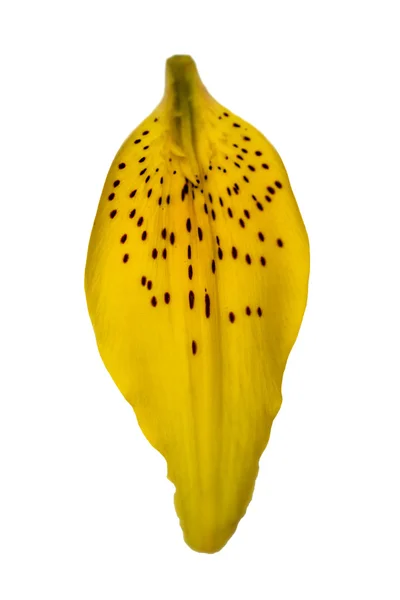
196	283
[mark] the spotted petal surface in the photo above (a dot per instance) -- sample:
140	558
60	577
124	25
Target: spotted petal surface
196	283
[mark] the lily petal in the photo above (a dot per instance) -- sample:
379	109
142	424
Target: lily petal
196	283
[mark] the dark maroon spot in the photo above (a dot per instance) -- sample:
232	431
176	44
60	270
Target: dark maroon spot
194	347
248	259
213	265
113	213
140	222
164	234
268	198
154	253
164	253
167	298
132	213
172	238
271	190
154	301
116	183
245	178
246	214
234	252
231	317
189	252
188	225
142	159
143	280
208	309
200	233
132	194
241	223
220	254
185	190
261	236
265	166
123	238
149	284
145	132
259	206
278	184
230	213
126	258
191	299
258	153
190	271
259	311
149	192
111	196
137	141
279	242
251	167
144	235
263	261
248	311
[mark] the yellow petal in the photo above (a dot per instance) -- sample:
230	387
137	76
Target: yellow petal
196	283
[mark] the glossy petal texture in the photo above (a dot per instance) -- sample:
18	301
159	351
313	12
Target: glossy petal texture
196	282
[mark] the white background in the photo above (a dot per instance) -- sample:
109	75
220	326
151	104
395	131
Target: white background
86	510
